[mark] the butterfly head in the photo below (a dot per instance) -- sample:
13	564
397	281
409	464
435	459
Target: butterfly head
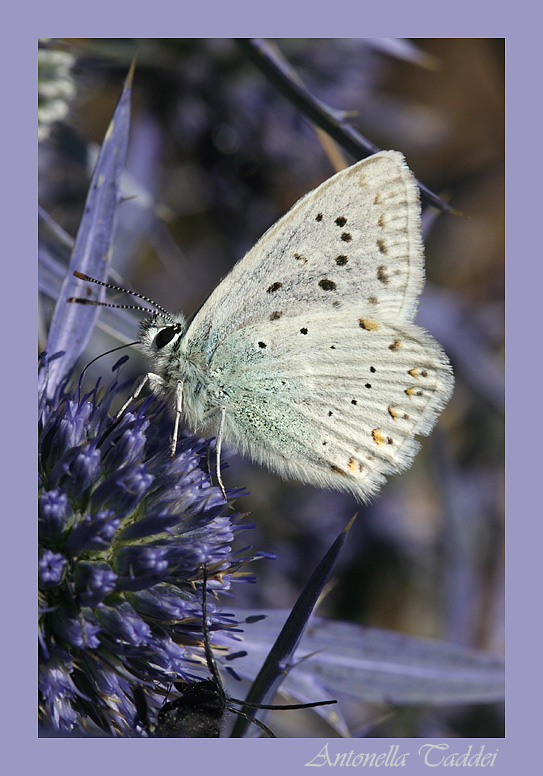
159	334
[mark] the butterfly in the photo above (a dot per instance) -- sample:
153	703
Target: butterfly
305	357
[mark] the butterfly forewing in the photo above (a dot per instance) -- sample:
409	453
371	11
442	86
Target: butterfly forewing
353	240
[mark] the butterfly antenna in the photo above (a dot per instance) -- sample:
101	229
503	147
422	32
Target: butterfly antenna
80	300
211	663
282	707
214	671
141	706
254	720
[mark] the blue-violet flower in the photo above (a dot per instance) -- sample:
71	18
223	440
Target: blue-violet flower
123	533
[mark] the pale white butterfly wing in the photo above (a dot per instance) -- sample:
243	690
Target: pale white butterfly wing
355	240
331	400
308	348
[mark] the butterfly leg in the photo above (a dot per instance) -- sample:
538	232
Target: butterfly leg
218	447
178	411
156	383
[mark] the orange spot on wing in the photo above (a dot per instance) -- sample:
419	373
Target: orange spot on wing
378	437
368	324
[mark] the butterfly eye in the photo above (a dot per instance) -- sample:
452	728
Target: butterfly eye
164	336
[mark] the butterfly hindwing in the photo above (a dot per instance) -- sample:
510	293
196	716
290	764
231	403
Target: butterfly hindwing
337	406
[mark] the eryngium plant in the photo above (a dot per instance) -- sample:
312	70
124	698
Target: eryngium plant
123	533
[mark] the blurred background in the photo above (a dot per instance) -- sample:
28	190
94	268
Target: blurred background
217	154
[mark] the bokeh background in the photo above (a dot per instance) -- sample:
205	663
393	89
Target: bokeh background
216	155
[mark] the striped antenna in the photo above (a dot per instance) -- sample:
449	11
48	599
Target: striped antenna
80	300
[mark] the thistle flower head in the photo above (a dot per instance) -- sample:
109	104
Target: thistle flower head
123	533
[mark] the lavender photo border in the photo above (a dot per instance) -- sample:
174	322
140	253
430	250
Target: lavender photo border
22	746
